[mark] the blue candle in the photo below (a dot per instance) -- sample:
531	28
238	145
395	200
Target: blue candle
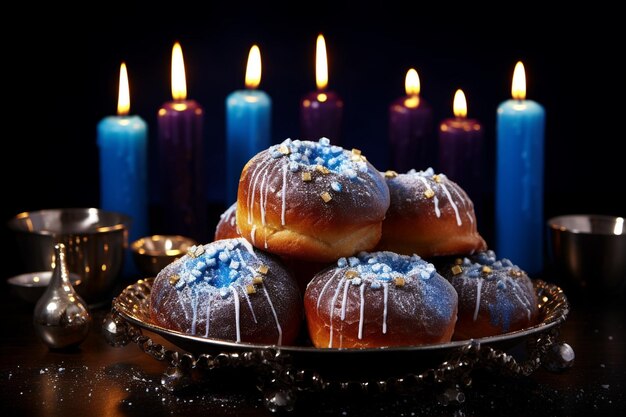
519	178
248	124
122	143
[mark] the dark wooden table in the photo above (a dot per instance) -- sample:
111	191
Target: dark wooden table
100	380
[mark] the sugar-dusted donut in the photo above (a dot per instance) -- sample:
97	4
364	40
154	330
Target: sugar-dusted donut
379	299
311	200
429	215
495	296
228	290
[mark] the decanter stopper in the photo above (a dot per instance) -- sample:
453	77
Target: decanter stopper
61	317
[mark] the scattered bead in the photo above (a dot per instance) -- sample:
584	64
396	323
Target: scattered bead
399	281
284	149
257	280
322	169
326	197
306	176
429	193
437	178
250	289
174	279
351	274
263	269
390	174
456	269
486	269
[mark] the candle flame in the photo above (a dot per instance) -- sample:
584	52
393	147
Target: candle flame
253	69
412	83
518	87
179	83
459	106
321	63
123	98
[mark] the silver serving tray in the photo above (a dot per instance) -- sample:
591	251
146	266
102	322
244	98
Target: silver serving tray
133	306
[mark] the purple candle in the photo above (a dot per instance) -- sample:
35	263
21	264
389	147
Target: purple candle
411	129
180	150
461	149
321	111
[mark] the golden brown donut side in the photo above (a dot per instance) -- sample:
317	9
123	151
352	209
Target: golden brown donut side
308	210
227	225
429	215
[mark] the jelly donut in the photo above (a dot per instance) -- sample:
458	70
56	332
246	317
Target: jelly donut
311	200
228	290
495	296
379	299
429	215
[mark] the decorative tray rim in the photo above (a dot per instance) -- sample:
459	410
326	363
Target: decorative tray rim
132	302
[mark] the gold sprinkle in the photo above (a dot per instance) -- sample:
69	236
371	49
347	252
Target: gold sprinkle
351	274
486	270
437	178
456	269
263	269
195	251
356	158
356	151
250	289
429	193
257	280
284	149
326	196
458	261
174	279
306	176
515	273
390	174
399	281
322	169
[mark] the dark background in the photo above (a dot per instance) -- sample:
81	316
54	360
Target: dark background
63	68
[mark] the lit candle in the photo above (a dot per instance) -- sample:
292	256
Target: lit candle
321	111
180	150
461	149
411	128
248	117
122	143
519	178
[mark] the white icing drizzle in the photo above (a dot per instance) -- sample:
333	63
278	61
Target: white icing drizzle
253	179
479	285
332	309
468	212
182	304
245	294
345	300
435	199
236	299
283	192
194	310
361	310
319	298
280	330
208	317
253	234
454	206
526	302
263	196
385	296
248	247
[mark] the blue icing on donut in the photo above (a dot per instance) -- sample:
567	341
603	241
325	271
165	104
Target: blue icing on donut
219	265
305	153
385	266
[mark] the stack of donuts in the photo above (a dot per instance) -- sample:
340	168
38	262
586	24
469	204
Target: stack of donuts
320	242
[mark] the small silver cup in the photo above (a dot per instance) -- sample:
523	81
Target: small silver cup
589	251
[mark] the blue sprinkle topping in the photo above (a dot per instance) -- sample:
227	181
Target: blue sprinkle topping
303	153
342	262
335	186
385	266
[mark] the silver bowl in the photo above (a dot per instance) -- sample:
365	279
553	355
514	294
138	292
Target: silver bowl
589	250
95	240
31	285
153	253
